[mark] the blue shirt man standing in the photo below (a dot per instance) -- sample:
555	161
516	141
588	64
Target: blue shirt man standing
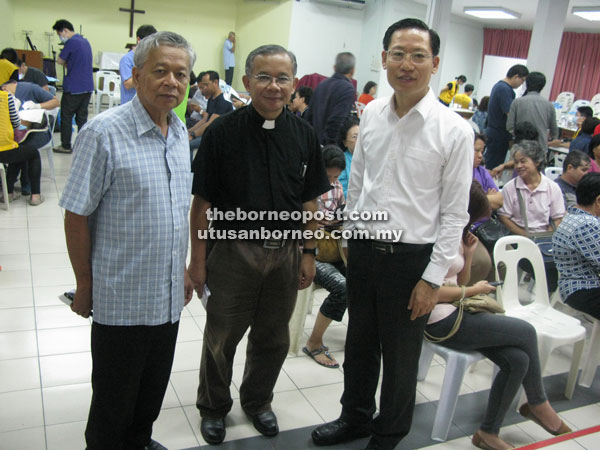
126	65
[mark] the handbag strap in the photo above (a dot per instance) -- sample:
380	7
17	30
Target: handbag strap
523	210
457	322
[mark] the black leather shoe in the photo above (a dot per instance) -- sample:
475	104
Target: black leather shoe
153	445
213	430
337	432
266	423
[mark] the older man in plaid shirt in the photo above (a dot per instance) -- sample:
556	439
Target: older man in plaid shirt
127	199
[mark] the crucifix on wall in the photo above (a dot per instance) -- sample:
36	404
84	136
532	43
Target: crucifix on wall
131	12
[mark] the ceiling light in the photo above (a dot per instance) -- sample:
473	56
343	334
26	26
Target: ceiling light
491	13
587	13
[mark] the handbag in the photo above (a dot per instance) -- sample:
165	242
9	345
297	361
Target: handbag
330	249
490	231
543	239
474	304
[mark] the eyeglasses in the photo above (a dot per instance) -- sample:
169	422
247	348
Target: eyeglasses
265	80
415	58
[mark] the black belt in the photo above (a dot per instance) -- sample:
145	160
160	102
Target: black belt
398	247
273	243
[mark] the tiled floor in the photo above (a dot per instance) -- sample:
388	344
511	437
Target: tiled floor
45	362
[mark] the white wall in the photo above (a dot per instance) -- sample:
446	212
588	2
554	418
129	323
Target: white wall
318	32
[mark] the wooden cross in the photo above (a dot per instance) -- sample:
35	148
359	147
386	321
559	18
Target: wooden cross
132	11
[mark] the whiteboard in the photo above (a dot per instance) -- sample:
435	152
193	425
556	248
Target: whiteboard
494	69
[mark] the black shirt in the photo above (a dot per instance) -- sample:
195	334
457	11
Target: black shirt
36	76
218	105
241	164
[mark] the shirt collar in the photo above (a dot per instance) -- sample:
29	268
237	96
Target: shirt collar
423	107
261	122
575	210
542	187
143	122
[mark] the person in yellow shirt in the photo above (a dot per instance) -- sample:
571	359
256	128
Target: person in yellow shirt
464	100
451	89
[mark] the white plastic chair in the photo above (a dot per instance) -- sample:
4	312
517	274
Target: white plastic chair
554	328
107	84
553	172
53	113
595	104
592	360
457	363
579	104
360	107
565	99
4	186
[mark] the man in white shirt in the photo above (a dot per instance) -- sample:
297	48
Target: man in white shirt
413	159
229	57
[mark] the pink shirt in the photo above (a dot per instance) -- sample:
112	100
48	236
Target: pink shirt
443	310
541	204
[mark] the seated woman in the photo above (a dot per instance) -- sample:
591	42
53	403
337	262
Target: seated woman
369	92
543	198
481	268
509	342
16	154
577	249
583	139
347	142
594	153
331	276
480	116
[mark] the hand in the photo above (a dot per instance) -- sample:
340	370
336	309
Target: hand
496	171
197	275
470	243
491	191
82	303
190	137
31	105
483	287
307	271
423	298
188	287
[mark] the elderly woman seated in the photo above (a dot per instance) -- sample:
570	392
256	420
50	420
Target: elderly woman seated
577	249
543	200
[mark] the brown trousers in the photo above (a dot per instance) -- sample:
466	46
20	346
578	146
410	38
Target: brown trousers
254	287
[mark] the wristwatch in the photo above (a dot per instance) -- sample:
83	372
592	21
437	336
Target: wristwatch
432	285
310	251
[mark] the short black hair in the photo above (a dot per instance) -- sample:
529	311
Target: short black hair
368	86
461	78
589	125
10	54
469	88
535	82
305	93
63	24
145	30
212	75
575	158
349	122
588	189
200	76
517	69
595	142
585	111
525	131
333	157
480	137
483	104
434	38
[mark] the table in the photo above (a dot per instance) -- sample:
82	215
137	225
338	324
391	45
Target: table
464	113
566	132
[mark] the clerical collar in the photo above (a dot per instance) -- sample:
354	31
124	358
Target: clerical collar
264	123
268	124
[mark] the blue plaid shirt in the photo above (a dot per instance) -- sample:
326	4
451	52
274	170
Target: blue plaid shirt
576	245
134	185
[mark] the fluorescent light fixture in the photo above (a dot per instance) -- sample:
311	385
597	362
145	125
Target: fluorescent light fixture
587	13
491	13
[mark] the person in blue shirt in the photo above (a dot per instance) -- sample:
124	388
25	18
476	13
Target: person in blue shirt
583	139
126	65
347	141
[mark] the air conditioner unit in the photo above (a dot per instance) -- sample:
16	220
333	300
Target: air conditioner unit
354	4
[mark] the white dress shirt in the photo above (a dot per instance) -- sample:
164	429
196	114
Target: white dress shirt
419	169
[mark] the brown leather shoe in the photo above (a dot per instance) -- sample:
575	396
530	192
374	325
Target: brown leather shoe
528	414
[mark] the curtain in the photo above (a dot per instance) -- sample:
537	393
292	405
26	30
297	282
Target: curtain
578	58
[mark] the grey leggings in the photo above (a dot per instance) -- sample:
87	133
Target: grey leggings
512	345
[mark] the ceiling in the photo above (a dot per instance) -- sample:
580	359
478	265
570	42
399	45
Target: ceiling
527	9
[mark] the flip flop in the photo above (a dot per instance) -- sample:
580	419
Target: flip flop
321	351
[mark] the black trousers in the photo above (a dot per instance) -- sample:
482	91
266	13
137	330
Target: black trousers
25	157
497	145
130	374
229	75
379	288
72	105
586	300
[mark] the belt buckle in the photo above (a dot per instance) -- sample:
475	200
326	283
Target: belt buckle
382	247
273	243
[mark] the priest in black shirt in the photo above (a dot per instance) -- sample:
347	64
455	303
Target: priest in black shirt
258	159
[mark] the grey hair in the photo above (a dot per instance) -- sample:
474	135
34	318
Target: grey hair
344	63
155	40
530	149
271	49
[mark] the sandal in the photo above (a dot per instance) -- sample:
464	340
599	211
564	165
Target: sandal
11	197
321	351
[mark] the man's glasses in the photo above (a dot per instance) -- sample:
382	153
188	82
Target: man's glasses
265	80
415	58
